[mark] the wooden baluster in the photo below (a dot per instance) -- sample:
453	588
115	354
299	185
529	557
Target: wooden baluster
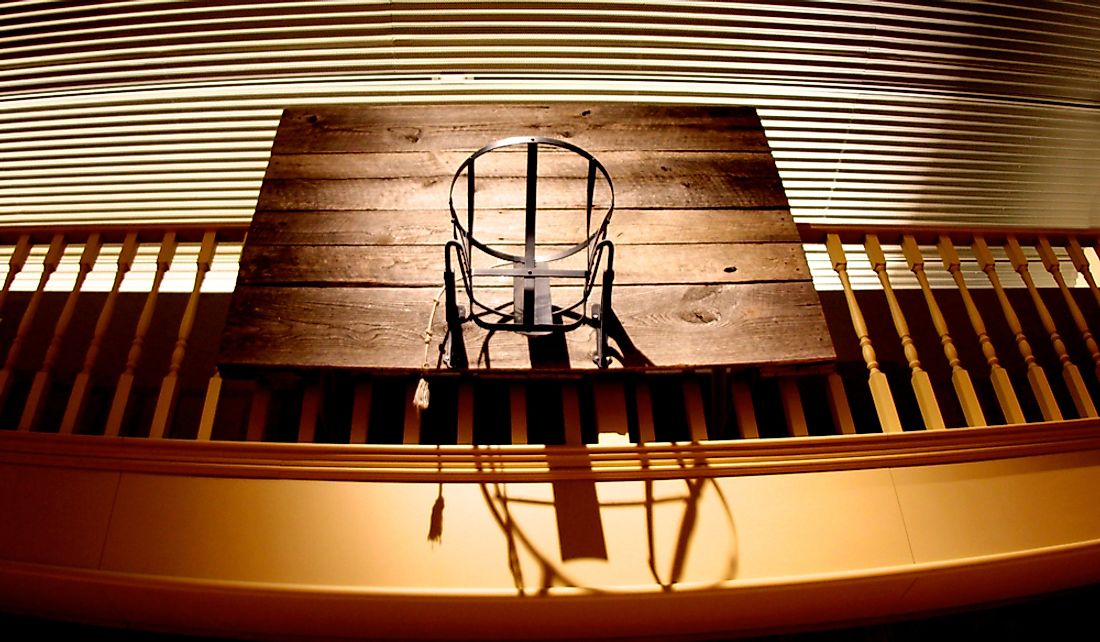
838	405
209	407
49	266
1072	376
695	410
571	414
465	414
40	387
360	412
517	402
307	418
1036	377
257	412
1002	385
744	409
126	379
1051	263
16	262
79	395
1081	262
960	378
880	387
611	421
410	433
792	407
922	386
169	386
643	402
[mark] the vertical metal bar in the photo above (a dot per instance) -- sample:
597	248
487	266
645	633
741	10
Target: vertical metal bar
880	387
590	192
471	187
529	233
40	387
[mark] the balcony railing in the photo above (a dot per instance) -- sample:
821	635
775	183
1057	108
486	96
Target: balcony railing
115	332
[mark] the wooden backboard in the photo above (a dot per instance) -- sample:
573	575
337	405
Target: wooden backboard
344	257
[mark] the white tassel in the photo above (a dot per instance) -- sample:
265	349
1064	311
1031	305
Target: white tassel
420	398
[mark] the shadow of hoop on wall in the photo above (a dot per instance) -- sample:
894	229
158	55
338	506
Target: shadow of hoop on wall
574	533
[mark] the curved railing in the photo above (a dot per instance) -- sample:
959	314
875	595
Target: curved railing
142	490
964	329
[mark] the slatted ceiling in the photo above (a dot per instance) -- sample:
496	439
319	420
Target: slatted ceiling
893	112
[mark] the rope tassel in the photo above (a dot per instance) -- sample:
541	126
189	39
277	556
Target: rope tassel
421	398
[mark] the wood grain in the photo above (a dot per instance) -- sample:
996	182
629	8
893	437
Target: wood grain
422	265
345	253
381	328
505	162
594	127
433	227
425	193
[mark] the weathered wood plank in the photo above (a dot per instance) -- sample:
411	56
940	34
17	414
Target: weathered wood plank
467	127
709	268
713	190
506	163
433	227
422	265
666	327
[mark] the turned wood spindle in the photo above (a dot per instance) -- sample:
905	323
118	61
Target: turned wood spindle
1081	263
922	385
960	378
49	266
1052	265
41	385
611	417
1036	377
1070	374
1002	385
126	379
78	396
16	262
880	387
169	387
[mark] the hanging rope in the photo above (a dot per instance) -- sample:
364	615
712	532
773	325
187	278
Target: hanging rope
421	398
